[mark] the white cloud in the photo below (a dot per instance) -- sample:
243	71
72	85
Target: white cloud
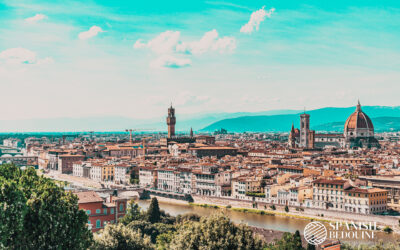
93	31
23	56
169	61
255	19
164	43
225	45
18	55
168	44
35	18
209	42
139	44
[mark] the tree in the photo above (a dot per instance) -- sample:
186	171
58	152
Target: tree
133	177
119	236
188	217
153	213
286	209
297	240
388	230
163	240
133	213
36	213
13	209
214	232
287	242
310	246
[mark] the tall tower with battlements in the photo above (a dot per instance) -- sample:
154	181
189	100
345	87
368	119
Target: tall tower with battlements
171	120
304	130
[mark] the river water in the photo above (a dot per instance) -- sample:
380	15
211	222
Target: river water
279	223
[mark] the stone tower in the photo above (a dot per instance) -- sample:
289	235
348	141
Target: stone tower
304	130
292	137
171	120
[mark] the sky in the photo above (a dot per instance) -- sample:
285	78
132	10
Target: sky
133	58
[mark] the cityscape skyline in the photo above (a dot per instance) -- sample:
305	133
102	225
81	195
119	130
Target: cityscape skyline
126	60
210	124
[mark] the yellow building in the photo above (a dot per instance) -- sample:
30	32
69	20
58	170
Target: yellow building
107	173
366	200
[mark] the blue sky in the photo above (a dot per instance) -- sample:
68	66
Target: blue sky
132	58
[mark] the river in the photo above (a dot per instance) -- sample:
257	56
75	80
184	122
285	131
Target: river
279	223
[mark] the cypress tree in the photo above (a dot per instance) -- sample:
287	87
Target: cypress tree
297	240
153	212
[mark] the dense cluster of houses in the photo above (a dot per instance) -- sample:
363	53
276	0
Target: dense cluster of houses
360	180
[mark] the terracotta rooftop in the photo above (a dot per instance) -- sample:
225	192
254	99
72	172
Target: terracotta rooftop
88	197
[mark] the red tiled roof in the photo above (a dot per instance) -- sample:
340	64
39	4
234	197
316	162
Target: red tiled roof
88	197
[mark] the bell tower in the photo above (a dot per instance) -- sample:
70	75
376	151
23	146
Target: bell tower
171	120
304	130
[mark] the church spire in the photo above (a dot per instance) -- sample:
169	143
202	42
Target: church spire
191	132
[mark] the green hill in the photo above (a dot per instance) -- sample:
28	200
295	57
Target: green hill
324	119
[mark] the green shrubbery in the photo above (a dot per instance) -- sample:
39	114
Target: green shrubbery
255	194
36	213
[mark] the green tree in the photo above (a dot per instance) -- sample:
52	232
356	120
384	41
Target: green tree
164	239
13	209
286	209
388	230
215	232
133	213
188	217
310	246
297	240
36	213
121	237
287	242
153	213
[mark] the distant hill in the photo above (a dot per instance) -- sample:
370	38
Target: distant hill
324	119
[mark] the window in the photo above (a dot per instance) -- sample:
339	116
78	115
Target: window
121	207
111	210
89	222
98	211
105	210
98	223
88	212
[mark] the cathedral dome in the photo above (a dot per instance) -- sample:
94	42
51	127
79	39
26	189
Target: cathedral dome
359	124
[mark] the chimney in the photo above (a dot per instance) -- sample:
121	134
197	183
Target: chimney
110	198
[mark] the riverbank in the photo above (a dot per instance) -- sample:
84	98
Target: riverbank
307	214
301	213
272	224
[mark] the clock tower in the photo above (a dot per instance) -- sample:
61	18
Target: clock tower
171	120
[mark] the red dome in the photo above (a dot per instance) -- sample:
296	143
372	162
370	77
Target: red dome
358	120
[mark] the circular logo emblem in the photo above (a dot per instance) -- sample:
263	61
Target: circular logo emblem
315	233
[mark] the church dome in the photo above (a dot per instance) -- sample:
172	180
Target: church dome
358	121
